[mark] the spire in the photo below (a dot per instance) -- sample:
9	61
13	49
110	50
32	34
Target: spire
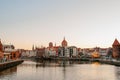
33	47
55	44
64	43
64	37
116	42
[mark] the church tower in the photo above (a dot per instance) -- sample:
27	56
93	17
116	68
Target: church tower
33	48
50	45
64	43
116	49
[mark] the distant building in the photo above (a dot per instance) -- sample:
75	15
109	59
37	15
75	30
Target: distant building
40	52
15	55
51	51
63	52
50	45
64	43
10	52
28	53
73	51
89	51
95	54
109	52
6	47
1	50
116	49
56	49
33	48
103	51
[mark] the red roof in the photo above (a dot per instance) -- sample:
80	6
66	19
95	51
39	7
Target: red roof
64	42
116	42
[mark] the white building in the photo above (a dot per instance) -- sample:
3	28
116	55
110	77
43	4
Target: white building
73	51
28	53
8	49
63	52
68	51
103	51
49	52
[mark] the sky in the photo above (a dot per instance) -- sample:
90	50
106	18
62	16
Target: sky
83	23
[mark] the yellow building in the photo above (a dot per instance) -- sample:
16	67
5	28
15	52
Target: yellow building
95	54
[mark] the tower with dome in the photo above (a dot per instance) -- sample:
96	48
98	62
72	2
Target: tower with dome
64	43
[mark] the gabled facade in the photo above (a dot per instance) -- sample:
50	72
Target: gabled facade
116	49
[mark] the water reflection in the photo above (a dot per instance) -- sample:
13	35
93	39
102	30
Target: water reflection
117	71
96	63
5	74
61	70
59	63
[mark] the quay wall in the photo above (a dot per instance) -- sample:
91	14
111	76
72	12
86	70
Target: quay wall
110	62
67	59
6	65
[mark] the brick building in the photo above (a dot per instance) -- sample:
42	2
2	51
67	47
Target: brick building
1	50
116	49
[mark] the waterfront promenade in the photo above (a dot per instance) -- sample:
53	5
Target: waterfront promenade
9	64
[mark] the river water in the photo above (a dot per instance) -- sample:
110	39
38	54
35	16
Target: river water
61	70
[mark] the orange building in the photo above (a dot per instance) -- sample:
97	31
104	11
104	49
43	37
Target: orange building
1	50
116	49
95	54
64	43
15	55
10	52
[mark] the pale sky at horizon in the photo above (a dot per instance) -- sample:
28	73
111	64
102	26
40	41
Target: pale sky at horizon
84	23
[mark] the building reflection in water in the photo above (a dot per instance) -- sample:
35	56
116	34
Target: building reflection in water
96	63
61	70
7	72
117	71
59	63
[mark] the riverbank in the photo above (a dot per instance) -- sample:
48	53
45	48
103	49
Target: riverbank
64	58
116	63
102	61
9	64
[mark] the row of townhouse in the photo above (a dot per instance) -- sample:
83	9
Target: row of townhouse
65	51
101	52
8	52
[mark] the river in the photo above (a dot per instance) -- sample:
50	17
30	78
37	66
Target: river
61	70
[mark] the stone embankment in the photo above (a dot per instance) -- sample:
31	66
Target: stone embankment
110	62
9	64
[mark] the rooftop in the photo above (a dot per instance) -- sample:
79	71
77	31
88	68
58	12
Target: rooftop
116	42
